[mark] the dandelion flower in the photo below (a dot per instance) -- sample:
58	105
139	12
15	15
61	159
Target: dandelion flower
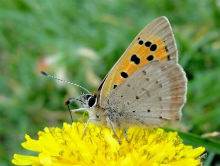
65	146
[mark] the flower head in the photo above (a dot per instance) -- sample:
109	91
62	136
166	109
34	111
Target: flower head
63	147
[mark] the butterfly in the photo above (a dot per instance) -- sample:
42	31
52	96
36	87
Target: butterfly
146	86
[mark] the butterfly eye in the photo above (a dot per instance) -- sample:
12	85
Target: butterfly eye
92	100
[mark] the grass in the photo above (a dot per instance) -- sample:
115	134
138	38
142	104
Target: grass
80	41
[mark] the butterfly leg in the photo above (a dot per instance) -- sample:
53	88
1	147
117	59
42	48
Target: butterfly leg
113	129
87	123
126	136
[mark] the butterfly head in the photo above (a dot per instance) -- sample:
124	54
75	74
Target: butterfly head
89	100
90	104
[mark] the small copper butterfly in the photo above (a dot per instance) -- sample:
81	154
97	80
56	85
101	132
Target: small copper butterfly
146	86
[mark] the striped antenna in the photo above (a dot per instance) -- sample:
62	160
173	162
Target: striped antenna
48	75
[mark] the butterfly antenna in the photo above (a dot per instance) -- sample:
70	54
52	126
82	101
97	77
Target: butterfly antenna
48	75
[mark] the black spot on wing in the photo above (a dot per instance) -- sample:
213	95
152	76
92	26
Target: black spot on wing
115	86
124	74
153	47
135	59
148	43
150	58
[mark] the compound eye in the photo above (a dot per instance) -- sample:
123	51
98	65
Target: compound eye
92	101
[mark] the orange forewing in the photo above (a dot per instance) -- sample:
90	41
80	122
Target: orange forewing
154	42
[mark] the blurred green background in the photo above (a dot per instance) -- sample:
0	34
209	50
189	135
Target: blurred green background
80	40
